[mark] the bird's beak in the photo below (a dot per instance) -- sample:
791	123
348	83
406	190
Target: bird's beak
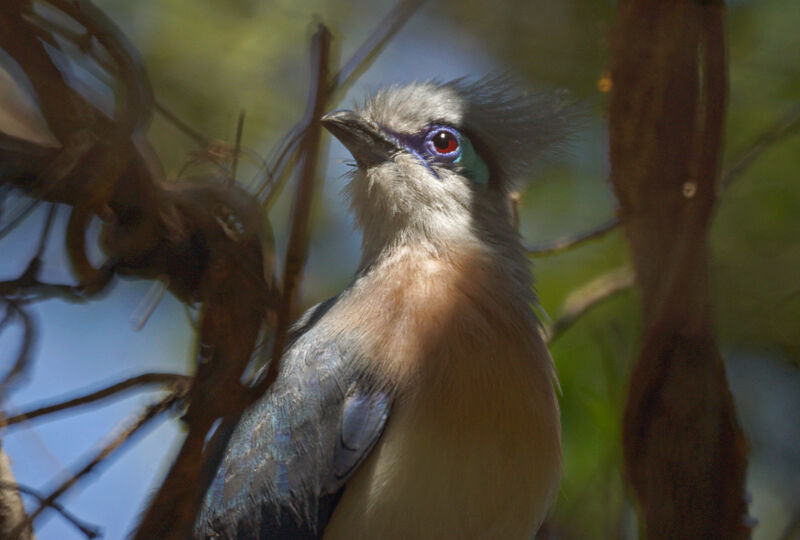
366	141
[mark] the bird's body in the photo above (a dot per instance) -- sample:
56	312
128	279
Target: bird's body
419	402
471	449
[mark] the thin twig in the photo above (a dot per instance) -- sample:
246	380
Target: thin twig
188	130
48	223
191	458
125	436
7	315
585	298
115	390
783	127
274	177
21	215
24	354
374	44
89	530
569	242
301	209
150	301
27	283
237	149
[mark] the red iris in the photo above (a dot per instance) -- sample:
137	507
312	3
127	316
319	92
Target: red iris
445	142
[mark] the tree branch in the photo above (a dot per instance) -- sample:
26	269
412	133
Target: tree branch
356	64
297	249
588	296
172	511
373	45
785	126
152	229
88	530
569	242
24	355
174	381
143	420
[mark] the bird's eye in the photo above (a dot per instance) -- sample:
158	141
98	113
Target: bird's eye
444	141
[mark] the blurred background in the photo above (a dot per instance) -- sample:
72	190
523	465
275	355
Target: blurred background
211	59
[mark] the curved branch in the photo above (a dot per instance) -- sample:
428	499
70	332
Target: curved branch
138	104
24	354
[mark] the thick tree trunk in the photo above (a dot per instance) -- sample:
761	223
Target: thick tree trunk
684	451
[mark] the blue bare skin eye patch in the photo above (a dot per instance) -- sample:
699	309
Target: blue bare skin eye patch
474	167
465	159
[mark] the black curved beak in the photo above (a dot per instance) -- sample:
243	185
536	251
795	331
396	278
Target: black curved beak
366	141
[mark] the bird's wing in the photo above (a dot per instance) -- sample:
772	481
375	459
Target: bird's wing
290	456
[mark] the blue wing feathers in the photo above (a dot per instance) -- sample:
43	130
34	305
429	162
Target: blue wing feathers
293	451
363	418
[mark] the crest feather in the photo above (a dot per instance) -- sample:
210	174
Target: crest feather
511	128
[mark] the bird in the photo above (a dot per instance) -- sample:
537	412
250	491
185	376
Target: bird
421	401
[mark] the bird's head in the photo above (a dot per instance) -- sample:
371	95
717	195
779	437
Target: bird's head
436	161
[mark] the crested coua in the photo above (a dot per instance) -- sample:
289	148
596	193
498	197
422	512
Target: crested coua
419	403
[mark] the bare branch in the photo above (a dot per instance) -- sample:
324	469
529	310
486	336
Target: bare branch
174	381
149	303
19	217
58	176
587	297
134	111
353	67
125	436
374	44
80	40
785	126
275	175
88	530
569	242
301	209
24	354
48	223
192	133
237	149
